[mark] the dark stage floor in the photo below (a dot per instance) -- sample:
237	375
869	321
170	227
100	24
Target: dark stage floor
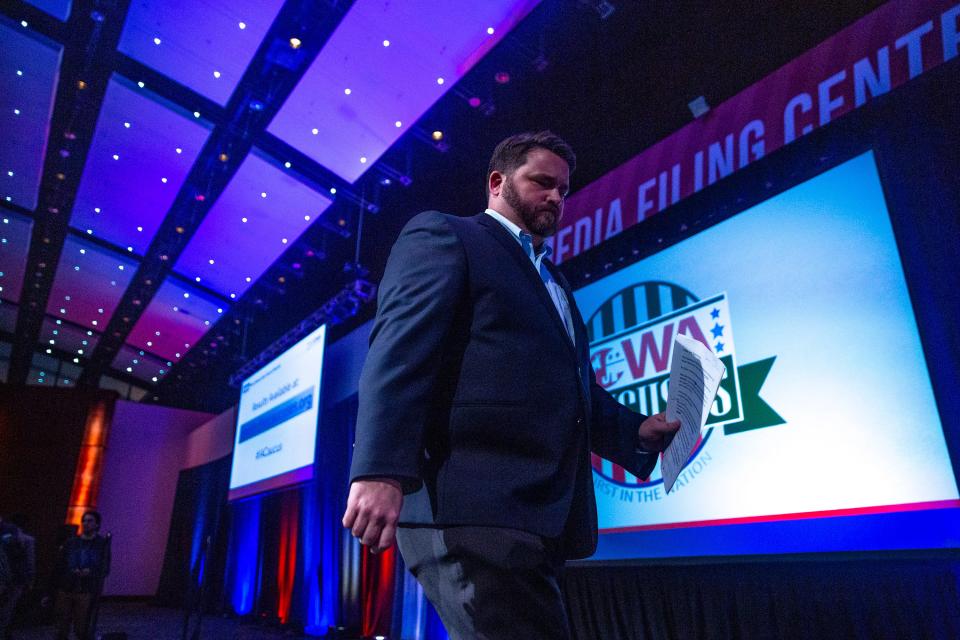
143	622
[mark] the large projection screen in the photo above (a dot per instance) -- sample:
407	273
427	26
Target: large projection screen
826	434
277	421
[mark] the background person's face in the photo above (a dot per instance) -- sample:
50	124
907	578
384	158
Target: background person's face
89	525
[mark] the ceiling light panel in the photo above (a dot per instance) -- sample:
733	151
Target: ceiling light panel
56	333
141	364
175	320
8	317
29	70
346	106
59	9
259	215
205	46
89	283
15	233
142	151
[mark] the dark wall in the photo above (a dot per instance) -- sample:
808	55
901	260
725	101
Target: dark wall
41	431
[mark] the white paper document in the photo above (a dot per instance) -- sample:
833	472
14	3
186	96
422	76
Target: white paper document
695	373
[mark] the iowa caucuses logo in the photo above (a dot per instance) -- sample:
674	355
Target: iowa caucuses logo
631	337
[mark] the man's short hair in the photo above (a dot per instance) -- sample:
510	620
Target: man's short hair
512	152
95	514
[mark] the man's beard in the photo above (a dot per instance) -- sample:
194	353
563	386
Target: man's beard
539	220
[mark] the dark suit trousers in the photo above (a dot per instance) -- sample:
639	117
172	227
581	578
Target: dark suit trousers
489	583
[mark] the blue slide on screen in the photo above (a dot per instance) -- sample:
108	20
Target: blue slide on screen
825	435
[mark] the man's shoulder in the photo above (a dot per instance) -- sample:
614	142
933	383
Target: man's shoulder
438	219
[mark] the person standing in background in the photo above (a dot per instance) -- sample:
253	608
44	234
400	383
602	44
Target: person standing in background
19	551
83	564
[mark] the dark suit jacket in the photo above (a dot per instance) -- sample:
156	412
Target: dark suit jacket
473	394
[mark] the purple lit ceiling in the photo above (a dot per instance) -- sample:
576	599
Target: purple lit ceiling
15	233
205	46
141	153
383	67
258	216
8	317
175	320
66	337
141	364
59	9
29	70
89	283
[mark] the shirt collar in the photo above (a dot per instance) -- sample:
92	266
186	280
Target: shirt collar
524	238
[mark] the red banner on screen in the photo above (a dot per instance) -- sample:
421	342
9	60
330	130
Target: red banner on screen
884	49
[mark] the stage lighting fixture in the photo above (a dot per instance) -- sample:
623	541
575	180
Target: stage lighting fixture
440	81
698	107
502	77
81	85
398	124
295	43
242	25
605	9
474	102
437	135
386	43
540	63
490	31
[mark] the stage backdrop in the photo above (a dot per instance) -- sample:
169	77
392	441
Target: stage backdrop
803	297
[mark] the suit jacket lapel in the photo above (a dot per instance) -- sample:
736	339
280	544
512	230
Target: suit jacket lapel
530	272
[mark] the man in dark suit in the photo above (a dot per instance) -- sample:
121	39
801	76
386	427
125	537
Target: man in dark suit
479	408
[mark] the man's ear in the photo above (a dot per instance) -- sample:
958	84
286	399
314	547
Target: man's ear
495	183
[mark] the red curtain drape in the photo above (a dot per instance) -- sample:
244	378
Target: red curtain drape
376	590
287	560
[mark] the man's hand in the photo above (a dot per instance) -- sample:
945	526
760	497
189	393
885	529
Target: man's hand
656	433
373	509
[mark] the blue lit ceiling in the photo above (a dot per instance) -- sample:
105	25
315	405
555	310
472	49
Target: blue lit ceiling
15	233
141	153
59	9
258	216
168	217
29	69
205	46
175	320
89	283
385	65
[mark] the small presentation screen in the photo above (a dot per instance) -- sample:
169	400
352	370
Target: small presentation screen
277	421
825	434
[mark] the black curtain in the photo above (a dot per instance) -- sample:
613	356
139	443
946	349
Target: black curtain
197	541
868	599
